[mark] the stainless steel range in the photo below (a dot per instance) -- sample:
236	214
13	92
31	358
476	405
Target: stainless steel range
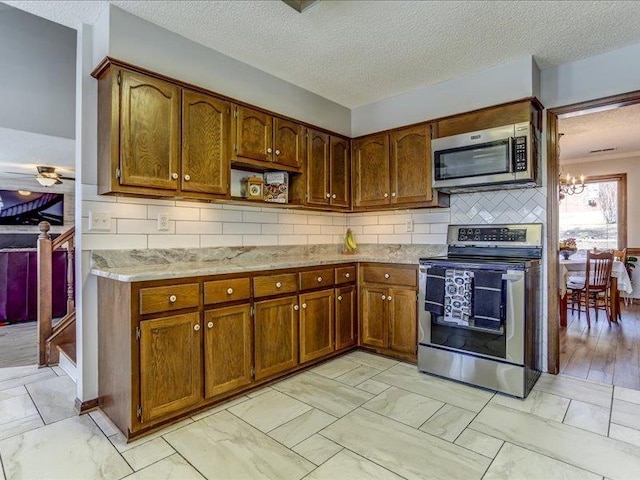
479	308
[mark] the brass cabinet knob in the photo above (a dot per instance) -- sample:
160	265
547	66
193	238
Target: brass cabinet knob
319	279
334	196
296	308
393	194
389	298
347	275
187	177
269	150
339	298
304	305
174	176
173	298
386	195
196	327
384	297
229	291
277	152
328	195
386	275
278	285
210	324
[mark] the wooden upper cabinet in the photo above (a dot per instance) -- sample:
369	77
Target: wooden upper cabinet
288	143
170	365
317	168
149	132
411	165
227	349
371	171
340	172
205	143
253	134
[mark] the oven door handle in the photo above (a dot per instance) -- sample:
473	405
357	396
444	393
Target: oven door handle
511	156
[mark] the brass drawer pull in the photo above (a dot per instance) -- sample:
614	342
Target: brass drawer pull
278	285
173	298
347	275
319	279
229	291
386	275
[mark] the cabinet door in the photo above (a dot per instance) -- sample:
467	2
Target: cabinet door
149	132
205	143
170	365
288	145
316	324
374	321
340	172
346	329
227	349
253	134
275	336
371	171
317	168
411	165
402	320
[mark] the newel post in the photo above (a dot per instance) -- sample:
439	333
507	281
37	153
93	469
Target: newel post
45	297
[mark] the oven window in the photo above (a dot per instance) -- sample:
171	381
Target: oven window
468	339
486	159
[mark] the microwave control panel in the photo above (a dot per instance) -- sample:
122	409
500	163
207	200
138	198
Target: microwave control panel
520	154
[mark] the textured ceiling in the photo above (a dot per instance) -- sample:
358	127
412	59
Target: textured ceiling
356	52
618	128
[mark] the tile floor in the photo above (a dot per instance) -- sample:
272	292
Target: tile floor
356	417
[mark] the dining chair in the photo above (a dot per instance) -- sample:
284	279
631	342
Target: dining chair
621	256
592	290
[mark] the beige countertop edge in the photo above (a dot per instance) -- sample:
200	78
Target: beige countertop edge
168	271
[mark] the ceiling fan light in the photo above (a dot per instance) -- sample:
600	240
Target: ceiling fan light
24	193
46	181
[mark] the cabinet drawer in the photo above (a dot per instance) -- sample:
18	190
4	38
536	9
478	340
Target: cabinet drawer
345	275
170	297
229	290
316	278
389	275
275	284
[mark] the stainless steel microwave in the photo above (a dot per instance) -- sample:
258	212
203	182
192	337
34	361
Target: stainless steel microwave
502	157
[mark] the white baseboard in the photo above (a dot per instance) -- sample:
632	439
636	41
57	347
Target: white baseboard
70	369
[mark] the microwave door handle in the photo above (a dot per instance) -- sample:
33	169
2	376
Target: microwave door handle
512	156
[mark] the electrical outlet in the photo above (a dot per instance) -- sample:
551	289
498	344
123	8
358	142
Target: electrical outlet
99	221
410	225
163	222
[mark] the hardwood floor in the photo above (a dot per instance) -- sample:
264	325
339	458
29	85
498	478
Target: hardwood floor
18	345
605	353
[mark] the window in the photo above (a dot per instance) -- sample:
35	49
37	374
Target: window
596	218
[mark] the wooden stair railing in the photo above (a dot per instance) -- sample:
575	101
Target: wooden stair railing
51	337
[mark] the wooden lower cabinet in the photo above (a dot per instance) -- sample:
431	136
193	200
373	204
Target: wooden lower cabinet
374	324
402	320
275	336
346	318
316	324
170	365
388	320
228	351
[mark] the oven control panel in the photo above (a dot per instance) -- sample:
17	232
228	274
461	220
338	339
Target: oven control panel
492	234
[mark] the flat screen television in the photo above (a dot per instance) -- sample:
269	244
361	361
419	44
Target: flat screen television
31	208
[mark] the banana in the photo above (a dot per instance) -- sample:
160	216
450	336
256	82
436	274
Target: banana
349	241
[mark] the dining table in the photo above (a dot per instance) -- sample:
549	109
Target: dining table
576	266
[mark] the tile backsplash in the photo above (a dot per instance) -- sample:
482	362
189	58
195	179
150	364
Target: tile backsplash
429	226
527	205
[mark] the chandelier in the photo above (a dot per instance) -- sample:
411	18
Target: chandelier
570	185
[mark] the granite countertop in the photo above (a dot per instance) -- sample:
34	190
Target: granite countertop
142	265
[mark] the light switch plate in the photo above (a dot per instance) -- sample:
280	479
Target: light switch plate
99	221
163	222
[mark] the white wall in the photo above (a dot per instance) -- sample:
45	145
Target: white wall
429	226
500	84
36	74
594	77
628	165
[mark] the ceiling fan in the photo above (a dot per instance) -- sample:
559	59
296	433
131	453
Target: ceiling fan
47	176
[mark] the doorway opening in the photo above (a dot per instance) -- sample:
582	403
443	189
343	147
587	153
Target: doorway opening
593	152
